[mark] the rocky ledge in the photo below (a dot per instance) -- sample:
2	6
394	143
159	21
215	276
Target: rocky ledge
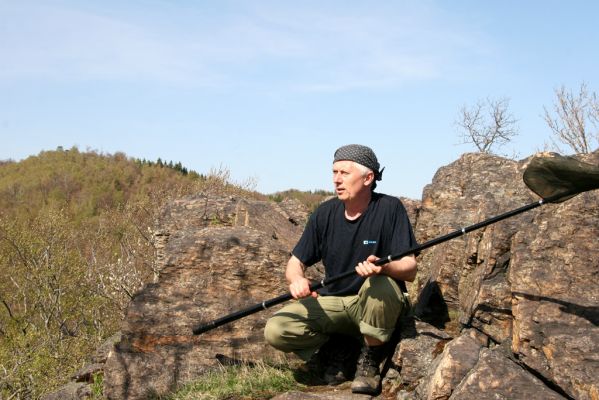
508	311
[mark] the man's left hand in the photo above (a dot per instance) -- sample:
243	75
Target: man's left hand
367	268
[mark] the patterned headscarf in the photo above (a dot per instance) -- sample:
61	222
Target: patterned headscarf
362	155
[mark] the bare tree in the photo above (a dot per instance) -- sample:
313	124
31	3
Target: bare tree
488	124
575	119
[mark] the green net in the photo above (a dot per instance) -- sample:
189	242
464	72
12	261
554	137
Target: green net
558	178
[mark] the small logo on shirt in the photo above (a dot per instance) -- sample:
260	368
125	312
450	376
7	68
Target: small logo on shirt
367	242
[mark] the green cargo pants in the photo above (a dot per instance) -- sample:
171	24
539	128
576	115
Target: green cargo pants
304	325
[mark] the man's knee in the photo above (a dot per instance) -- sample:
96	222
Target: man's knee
381	302
273	333
380	287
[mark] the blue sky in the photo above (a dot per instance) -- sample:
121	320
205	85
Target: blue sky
269	89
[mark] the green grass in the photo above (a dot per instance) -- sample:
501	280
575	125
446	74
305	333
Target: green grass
260	381
97	387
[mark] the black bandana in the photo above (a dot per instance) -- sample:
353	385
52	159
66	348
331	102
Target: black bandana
362	155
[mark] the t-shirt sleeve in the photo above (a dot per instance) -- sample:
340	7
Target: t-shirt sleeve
307	249
403	237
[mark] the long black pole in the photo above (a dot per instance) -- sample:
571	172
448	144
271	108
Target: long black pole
317	285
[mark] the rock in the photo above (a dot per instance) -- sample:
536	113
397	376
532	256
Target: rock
405	395
470	190
523	283
71	391
87	373
497	377
449	369
419	346
555	264
221	256
412	208
284	220
101	354
330	394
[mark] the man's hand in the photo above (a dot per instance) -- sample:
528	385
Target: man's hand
367	268
300	288
403	269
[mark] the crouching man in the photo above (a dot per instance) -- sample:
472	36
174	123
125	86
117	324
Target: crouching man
351	231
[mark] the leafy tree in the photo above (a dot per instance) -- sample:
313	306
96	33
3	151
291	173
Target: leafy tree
51	302
311	199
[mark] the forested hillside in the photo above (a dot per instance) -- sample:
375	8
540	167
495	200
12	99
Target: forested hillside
75	245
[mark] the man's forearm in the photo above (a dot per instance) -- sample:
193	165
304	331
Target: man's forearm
295	269
403	269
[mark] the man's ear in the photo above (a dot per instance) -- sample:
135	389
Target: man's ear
369	178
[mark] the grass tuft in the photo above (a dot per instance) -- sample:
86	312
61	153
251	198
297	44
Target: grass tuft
259	381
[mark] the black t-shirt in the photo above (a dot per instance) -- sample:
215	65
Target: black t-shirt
383	229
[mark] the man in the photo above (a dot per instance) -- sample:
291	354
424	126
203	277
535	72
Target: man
350	231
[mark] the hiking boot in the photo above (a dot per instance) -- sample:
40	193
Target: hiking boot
311	372
368	375
341	356
332	364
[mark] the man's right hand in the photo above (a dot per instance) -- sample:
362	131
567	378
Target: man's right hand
300	288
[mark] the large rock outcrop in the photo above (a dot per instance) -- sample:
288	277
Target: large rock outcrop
508	311
218	255
527	286
555	295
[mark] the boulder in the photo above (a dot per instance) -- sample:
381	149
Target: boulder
219	255
420	344
71	391
470	190
495	376
328	394
524	285
555	265
449	369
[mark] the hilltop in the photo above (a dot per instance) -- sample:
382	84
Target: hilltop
76	244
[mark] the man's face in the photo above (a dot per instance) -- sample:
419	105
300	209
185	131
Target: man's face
348	180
